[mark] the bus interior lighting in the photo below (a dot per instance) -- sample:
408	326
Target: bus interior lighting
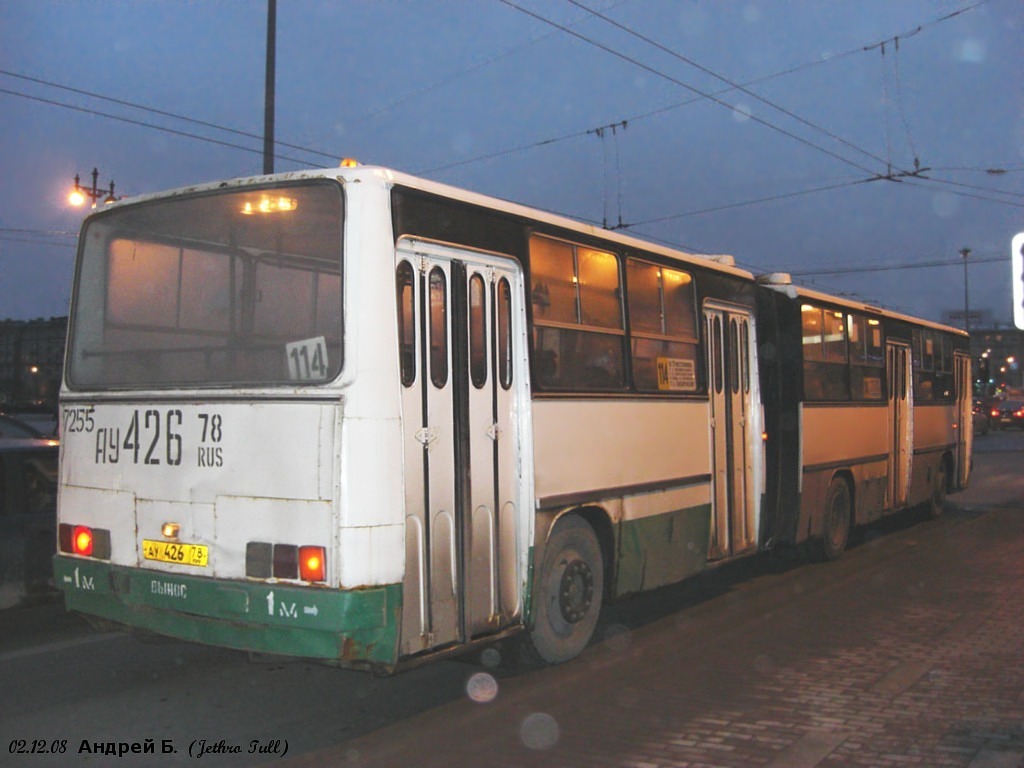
267	204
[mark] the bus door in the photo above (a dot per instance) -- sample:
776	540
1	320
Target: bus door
730	376
458	322
900	383
964	417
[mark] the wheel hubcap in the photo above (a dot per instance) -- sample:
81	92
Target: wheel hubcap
576	591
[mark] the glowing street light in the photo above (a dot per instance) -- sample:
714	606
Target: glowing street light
79	194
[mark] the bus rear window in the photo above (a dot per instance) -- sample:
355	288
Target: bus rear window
234	288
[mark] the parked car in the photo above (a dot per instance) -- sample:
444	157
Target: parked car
1008	413
44	423
12	428
28	517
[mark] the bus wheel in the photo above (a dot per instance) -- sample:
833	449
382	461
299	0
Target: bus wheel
838	514
570	587
938	497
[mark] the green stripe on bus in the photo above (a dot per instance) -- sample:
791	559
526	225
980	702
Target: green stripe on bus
662	549
348	627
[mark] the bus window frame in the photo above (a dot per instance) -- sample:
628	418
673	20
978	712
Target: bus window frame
682	346
602	366
118	225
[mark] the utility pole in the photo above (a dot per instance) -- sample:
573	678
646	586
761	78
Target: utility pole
268	104
965	252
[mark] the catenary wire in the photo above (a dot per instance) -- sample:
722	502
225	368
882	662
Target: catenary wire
132	121
732	84
704	94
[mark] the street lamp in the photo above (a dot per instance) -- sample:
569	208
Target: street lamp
79	193
965	252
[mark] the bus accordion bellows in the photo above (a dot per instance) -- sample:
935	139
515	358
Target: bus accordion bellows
358	417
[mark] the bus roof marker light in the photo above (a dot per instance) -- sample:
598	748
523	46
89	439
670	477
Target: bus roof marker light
348	162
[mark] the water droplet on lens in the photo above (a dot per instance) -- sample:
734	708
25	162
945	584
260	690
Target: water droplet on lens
539	731
741	113
482	688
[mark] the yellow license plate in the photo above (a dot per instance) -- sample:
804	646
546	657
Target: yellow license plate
175	552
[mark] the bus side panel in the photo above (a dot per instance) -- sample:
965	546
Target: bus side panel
583	445
656	547
860	455
637	461
934	443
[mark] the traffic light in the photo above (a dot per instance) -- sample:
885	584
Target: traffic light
1017	262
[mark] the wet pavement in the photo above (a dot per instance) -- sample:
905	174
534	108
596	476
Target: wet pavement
909	651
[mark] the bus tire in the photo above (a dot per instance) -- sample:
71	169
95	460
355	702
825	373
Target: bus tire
836	524
937	500
569	590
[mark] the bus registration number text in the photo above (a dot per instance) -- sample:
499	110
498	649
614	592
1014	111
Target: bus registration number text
154	437
174	552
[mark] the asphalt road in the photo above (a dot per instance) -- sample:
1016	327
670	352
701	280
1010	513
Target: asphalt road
670	677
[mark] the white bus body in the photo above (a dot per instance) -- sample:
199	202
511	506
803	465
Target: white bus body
359	417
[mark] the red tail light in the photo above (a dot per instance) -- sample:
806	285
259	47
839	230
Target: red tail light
312	564
81	541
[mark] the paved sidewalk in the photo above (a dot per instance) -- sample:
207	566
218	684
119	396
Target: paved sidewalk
909	651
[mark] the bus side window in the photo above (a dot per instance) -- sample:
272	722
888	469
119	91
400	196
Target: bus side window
578	335
826	360
865	358
406	323
504	334
924	365
477	332
438	328
662	325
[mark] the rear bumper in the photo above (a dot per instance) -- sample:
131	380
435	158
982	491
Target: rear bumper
352	628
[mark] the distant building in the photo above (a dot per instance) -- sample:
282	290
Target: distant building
32	361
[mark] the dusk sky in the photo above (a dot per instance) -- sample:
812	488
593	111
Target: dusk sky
858	137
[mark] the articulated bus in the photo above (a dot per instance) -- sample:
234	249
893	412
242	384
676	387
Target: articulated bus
358	417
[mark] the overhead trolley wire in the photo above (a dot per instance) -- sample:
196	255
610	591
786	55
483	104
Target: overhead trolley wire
499	153
897	267
704	94
161	112
732	85
806	65
132	121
